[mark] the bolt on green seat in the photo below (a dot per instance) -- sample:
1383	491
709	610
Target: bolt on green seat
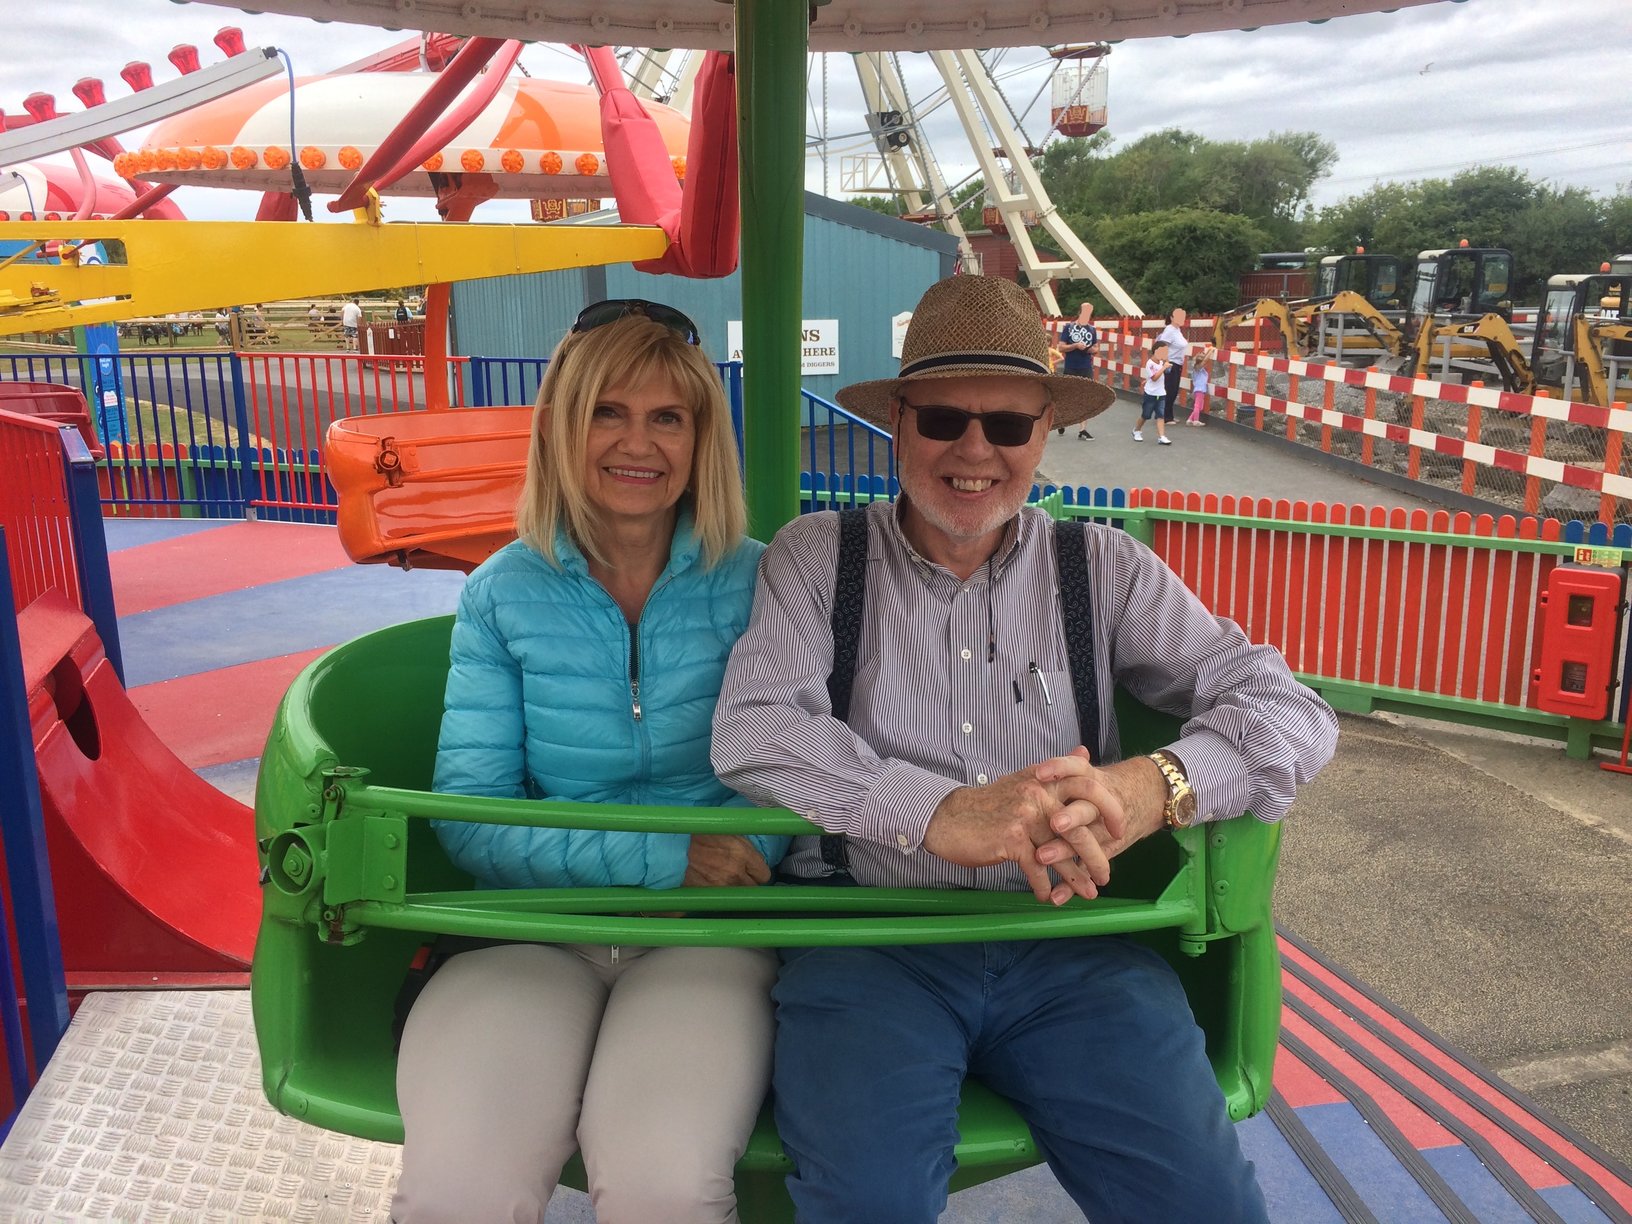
355	883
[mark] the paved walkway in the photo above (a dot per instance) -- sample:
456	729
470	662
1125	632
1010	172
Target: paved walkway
1206	460
1481	881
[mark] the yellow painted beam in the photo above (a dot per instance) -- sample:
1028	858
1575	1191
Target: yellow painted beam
171	266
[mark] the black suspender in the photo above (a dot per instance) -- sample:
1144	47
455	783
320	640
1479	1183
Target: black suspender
1076	612
850	602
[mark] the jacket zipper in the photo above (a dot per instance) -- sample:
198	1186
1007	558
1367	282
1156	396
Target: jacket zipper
634	670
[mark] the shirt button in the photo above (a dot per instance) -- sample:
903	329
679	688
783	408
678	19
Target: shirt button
901	840
968	727
967	653
981	778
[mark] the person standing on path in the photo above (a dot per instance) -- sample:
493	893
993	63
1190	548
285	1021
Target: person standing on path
1178	350
351	320
1150	409
1078	339
1201	382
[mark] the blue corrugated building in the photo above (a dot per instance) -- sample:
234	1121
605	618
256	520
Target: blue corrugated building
861	268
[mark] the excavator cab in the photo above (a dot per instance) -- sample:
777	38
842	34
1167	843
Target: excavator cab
1374	277
1592	309
1461	285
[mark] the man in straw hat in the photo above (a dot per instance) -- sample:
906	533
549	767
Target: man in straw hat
913	691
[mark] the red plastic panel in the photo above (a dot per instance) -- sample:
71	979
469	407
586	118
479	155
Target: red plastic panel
1580	618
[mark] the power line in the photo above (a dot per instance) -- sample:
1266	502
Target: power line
1478	161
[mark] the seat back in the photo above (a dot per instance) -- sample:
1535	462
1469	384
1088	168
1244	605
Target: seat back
324	989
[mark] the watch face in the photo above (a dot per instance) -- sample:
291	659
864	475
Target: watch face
1184	809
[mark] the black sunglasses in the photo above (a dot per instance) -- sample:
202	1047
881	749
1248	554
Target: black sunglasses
939	423
601	313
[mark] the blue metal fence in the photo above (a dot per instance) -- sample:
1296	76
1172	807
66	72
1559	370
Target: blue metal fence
175	425
33	909
843	456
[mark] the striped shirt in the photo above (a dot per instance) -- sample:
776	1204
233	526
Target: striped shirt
960	682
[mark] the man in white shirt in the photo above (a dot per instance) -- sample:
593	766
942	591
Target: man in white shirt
957	752
351	318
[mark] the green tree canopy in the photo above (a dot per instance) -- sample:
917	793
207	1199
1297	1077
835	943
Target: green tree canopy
1171	257
1268	181
1549	230
1253	196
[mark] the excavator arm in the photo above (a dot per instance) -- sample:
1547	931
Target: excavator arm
1293	329
1295	317
1488	336
1589	341
1382	328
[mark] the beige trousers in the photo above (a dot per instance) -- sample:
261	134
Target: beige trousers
651	1061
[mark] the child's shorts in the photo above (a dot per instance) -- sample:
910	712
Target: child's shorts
1152	407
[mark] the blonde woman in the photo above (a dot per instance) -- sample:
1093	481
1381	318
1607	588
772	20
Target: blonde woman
586	660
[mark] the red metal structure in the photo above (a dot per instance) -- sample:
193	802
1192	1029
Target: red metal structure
156	868
1580	623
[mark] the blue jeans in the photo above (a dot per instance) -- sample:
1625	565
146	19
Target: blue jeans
1091	1039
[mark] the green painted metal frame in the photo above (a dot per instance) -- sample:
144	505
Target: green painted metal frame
356	883
1580	736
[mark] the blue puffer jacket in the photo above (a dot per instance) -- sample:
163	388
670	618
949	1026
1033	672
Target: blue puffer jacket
552	693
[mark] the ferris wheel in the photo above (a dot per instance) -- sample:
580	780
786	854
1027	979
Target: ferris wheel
902	162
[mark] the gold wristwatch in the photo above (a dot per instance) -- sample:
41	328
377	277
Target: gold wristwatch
1179	812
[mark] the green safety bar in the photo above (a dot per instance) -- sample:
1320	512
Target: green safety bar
355	885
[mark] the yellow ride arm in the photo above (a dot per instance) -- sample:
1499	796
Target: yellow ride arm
164	267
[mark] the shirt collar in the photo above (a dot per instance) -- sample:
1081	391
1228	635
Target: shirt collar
1015	533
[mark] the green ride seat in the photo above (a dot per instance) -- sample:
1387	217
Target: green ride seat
355	884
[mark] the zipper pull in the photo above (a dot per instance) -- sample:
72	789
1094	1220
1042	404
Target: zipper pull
614	954
634	696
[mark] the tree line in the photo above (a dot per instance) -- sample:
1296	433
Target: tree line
1176	218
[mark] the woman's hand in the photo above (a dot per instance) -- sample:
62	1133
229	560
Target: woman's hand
724	860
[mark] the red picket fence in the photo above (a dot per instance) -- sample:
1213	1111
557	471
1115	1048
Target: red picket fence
292	398
1438	604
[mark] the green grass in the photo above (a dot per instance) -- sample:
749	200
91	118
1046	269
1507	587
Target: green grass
152	424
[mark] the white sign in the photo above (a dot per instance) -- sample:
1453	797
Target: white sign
819	352
898	332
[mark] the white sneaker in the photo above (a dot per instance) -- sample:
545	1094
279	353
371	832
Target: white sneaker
1137	436
1164	441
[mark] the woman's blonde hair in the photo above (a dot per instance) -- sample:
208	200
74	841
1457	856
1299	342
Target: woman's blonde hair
627	352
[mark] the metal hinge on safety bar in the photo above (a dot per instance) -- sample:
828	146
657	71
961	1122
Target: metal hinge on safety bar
396	460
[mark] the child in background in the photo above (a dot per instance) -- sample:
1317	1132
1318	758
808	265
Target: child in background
1155	376
1201	383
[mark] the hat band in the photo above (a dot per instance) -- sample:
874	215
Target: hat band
1025	365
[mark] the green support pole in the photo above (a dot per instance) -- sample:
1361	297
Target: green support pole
772	36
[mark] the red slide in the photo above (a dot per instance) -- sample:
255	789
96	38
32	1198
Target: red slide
155	870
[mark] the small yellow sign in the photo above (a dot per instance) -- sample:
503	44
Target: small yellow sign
1605	558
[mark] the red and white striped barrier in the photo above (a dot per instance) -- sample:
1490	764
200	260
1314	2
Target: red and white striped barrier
1122	353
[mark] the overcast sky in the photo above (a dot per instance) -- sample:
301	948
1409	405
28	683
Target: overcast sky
1424	92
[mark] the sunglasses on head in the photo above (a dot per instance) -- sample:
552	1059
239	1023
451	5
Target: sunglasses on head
601	313
940	423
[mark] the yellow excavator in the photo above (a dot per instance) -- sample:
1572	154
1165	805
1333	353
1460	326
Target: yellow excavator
1360	284
1584	335
1459	311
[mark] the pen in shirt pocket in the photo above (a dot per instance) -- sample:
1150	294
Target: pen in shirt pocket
1042	683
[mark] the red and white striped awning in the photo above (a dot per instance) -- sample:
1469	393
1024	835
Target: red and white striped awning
43	191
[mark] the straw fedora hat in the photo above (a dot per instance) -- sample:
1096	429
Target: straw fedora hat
978	325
